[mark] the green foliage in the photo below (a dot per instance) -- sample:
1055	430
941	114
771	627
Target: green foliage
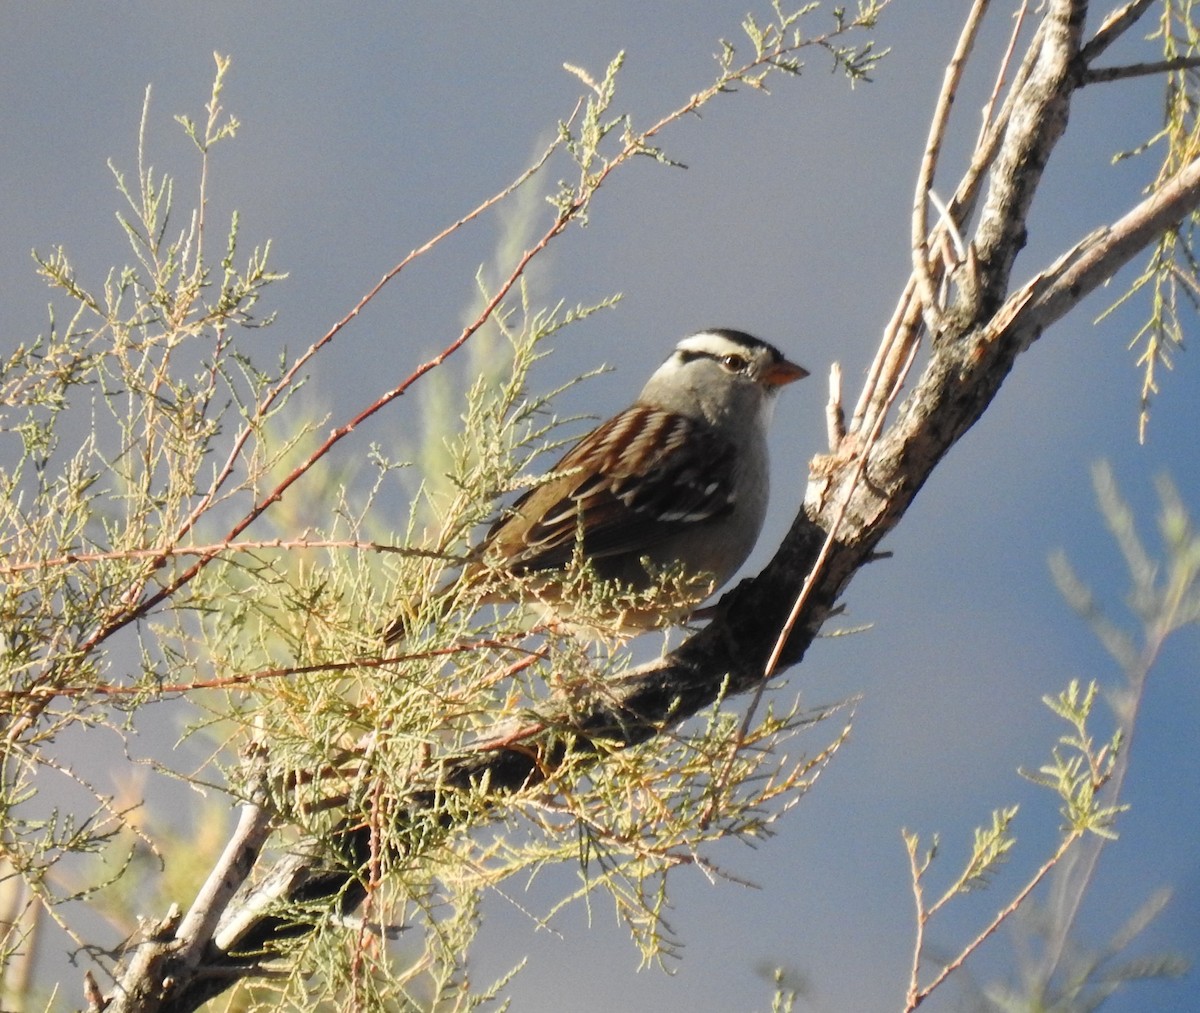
776	41
142	380
775	44
789	986
109	427
1079	770
1163	596
1086	777
1171	271
1163	599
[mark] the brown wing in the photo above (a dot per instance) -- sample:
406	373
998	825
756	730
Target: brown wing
683	476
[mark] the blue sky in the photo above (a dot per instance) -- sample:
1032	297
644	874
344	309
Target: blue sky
367	129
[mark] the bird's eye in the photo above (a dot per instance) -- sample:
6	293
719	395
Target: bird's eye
735	363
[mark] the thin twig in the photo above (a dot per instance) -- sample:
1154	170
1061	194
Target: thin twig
218	549
900	344
230	871
279	672
293	371
1114	26
835	415
1002	72
914	978
1002	916
1102	75
903	321
922	270
1082	872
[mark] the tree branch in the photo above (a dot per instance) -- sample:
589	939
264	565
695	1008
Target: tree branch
926	288
1114	26
1101	75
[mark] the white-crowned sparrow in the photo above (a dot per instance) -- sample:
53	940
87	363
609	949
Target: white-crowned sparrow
680	477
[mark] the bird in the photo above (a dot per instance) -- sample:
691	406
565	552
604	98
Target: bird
678	479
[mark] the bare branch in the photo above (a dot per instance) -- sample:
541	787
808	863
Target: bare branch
1002	73
926	287
228	548
901	332
918	996
180	948
1037	121
1114	26
1100	255
1101	75
835	415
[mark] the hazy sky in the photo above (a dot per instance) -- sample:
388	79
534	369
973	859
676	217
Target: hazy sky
367	128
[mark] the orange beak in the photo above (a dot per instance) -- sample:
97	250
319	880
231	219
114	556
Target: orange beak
784	372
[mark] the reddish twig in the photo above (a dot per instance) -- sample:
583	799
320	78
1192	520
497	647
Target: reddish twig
917	995
218	549
284	671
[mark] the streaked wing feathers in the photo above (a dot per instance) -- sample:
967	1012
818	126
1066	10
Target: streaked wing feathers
640	477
